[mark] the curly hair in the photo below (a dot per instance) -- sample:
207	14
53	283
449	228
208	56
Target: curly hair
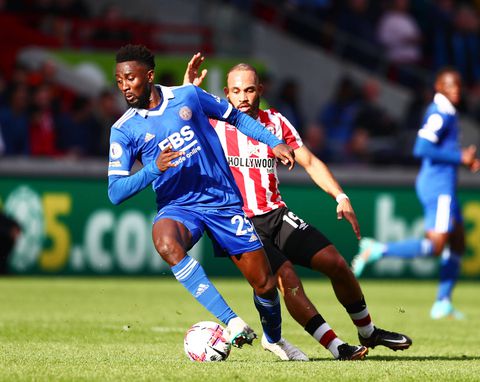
139	53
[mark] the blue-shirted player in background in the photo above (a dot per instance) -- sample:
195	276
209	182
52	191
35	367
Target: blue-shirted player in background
438	147
168	131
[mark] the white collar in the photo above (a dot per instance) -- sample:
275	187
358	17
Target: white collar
444	105
166	94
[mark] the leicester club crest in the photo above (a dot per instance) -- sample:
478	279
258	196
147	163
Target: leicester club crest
185	113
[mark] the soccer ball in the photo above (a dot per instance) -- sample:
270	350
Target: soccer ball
205	342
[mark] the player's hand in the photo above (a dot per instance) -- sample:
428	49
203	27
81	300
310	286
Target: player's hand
345	210
475	166
468	155
286	154
165	159
191	74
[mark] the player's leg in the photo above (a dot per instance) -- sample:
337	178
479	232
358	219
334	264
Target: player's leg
306	314
299	241
371	251
254	266
172	239
437	211
450	263
232	234
349	294
305	245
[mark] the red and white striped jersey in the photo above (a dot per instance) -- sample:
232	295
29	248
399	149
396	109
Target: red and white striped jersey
253	163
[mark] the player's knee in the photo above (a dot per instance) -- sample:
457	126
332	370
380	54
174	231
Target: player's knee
339	266
287	278
438	247
265	286
330	262
169	249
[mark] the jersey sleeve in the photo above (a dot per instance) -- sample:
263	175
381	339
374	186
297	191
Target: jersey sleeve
433	127
217	108
122	185
426	149
428	138
121	153
213	106
289	133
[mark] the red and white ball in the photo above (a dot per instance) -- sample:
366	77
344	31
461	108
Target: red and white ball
205	342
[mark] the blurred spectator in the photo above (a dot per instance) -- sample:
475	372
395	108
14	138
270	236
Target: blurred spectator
440	34
42	7
77	129
9	232
3	89
72	8
13	5
14	122
312	20
266	80
19	75
107	111
337	117
374	127
43	126
112	29
319	8
455	39
358	20
358	149
466	44
314	139
46	75
401	37
288	102
371	116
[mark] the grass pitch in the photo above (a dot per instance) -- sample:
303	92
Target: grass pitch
131	329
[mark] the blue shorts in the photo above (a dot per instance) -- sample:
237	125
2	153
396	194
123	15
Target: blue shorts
442	213
230	230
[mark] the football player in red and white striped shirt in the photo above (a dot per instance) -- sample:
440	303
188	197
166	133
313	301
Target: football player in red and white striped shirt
286	237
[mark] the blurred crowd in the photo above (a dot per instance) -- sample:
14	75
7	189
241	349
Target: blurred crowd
407	39
40	117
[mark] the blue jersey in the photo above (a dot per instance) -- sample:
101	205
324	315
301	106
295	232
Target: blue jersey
202	177
438	147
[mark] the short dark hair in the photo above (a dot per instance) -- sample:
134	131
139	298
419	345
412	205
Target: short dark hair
139	53
243	67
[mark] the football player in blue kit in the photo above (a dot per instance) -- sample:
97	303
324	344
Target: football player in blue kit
168	131
437	145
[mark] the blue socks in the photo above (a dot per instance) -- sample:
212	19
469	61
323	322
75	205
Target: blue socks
449	271
408	249
270	317
192	276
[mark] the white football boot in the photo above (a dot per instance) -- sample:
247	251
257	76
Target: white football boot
284	350
239	333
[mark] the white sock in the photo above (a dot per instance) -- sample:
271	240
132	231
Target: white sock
333	346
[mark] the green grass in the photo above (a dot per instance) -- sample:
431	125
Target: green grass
131	329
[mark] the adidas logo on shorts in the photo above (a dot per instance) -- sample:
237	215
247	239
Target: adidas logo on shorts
253	238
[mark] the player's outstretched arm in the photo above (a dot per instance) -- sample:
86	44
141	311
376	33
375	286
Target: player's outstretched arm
323	178
191	75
